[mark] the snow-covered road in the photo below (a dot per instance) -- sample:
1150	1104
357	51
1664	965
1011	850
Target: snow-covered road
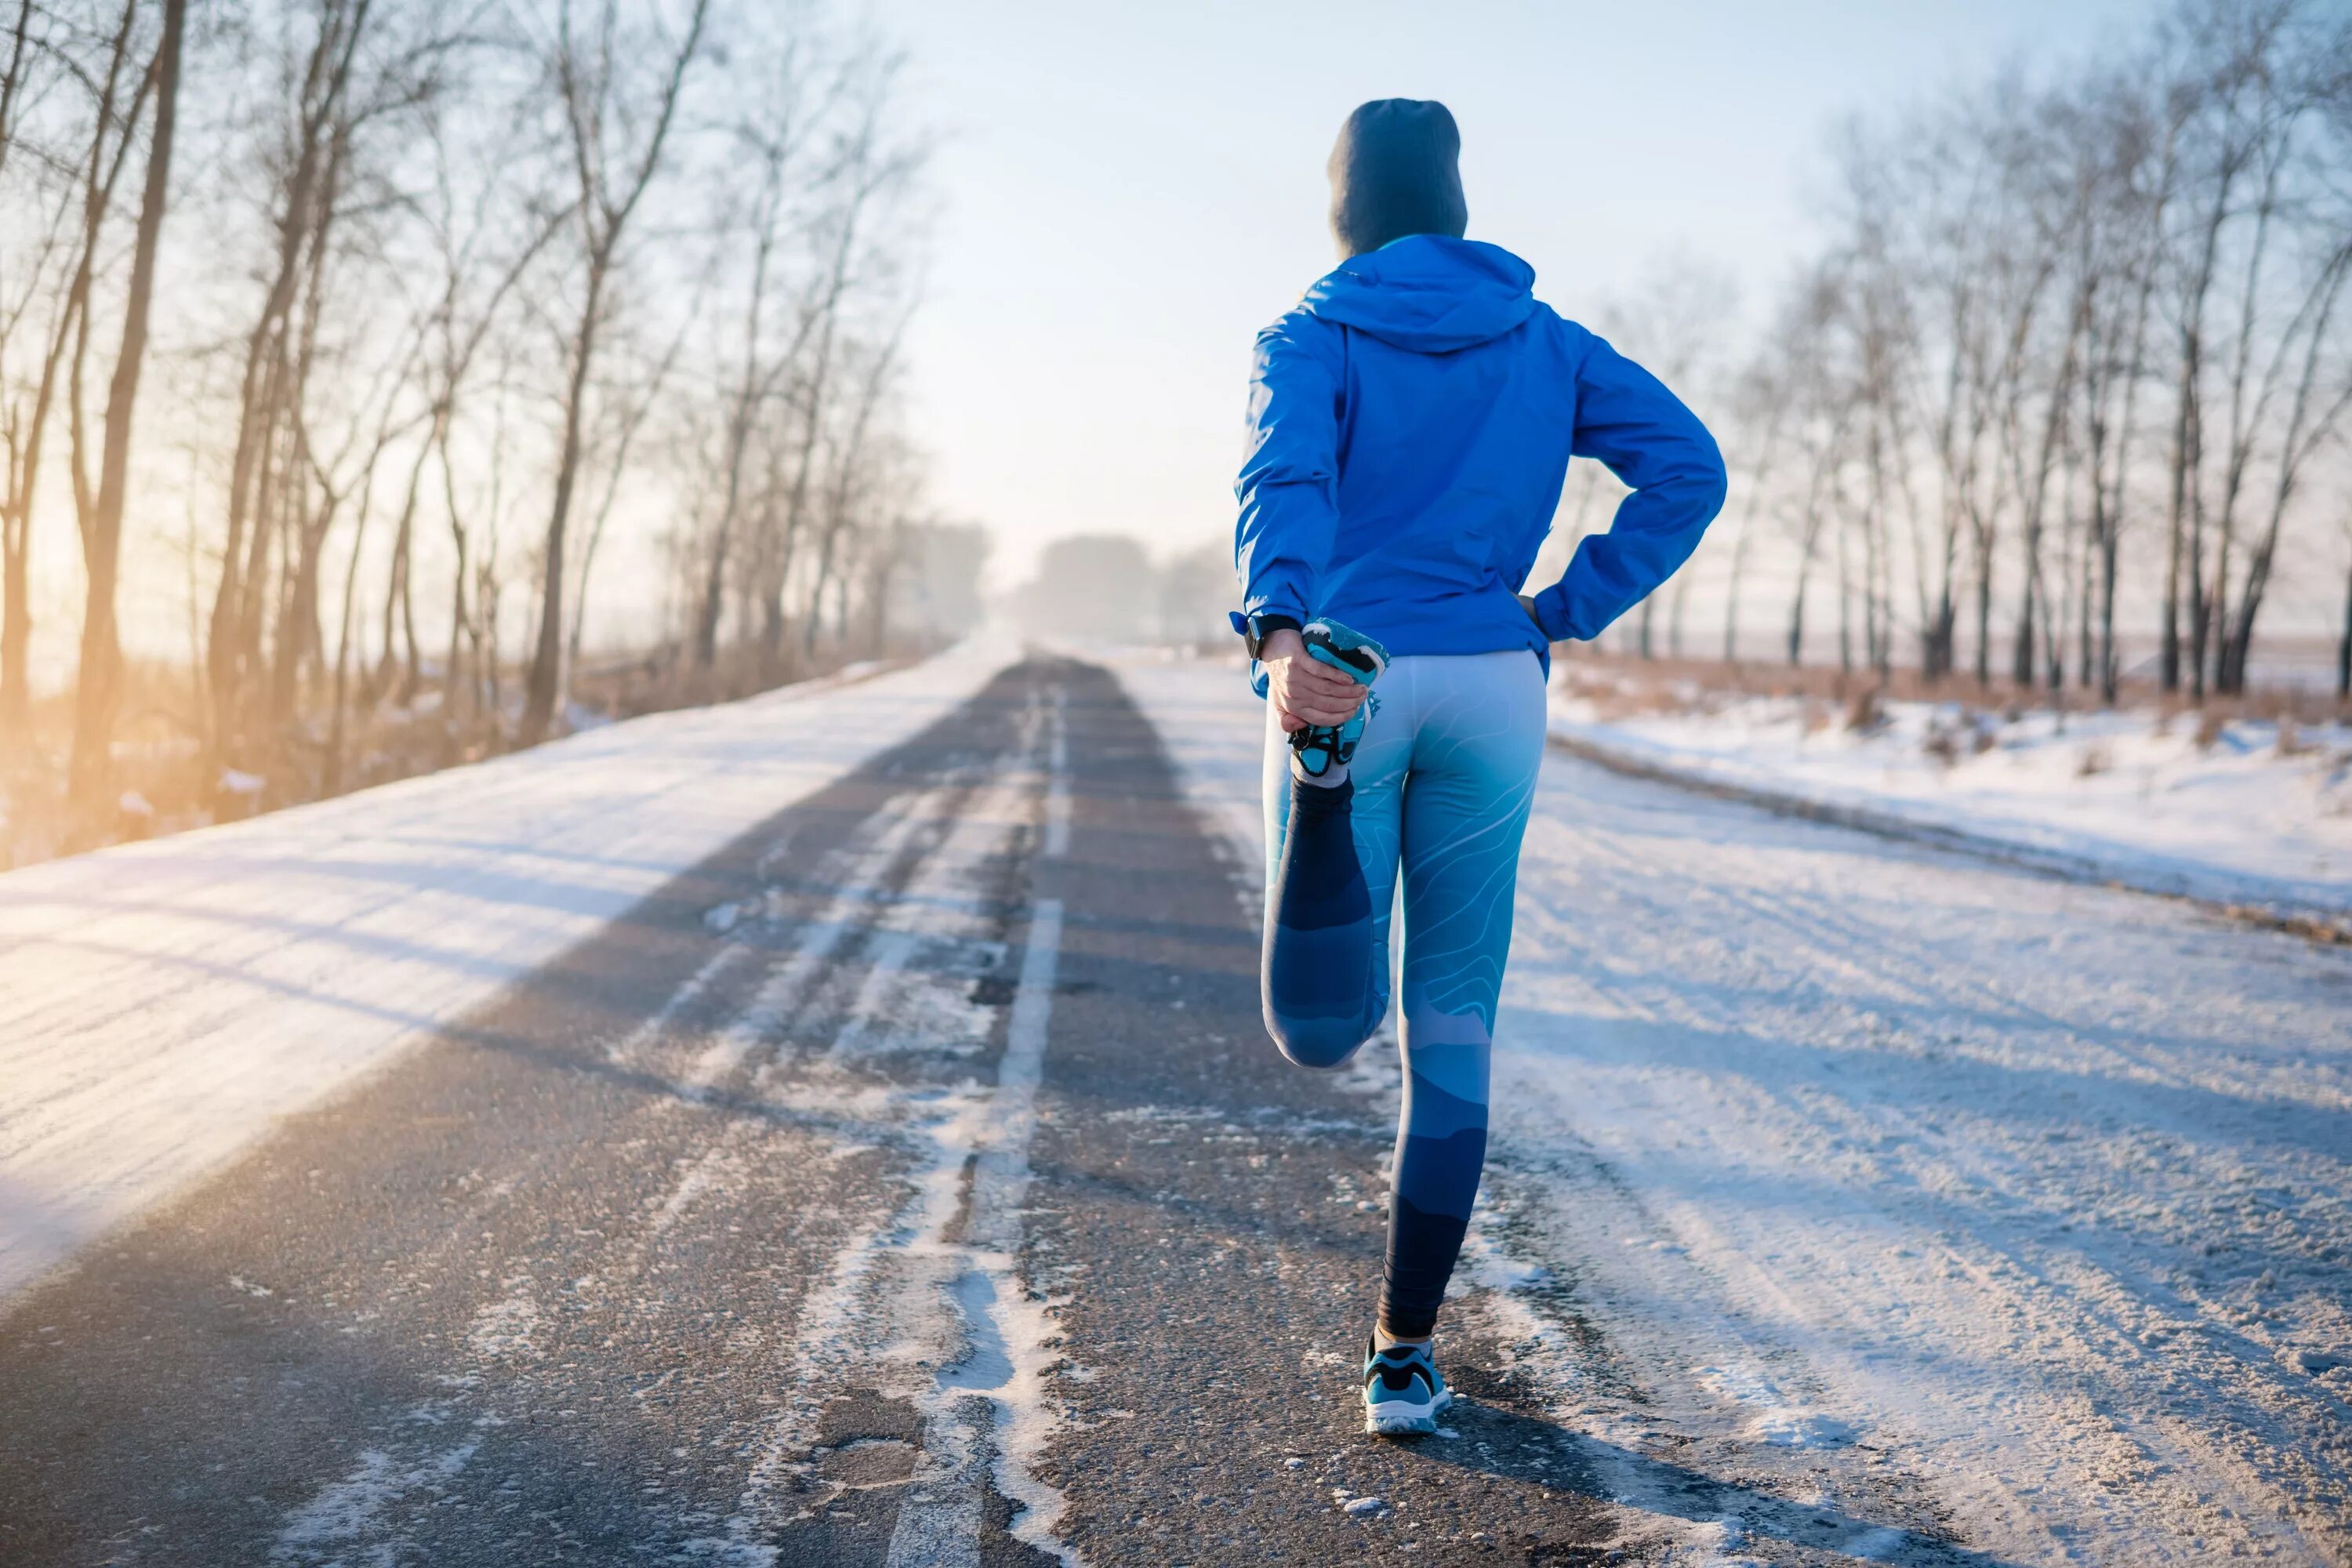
1818	1155
838	1130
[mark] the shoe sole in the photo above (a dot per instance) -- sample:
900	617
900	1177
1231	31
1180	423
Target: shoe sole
1393	1418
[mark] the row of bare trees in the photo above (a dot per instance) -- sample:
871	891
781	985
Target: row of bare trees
434	302
2077	355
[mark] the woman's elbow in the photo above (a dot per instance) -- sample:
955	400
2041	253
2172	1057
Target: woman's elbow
1709	482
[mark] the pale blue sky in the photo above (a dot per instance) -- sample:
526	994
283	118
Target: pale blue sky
1131	191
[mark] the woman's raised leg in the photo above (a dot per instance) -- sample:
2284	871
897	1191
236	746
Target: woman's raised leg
1332	855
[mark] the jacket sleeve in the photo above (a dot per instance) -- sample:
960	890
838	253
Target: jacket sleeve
1289	480
1627	419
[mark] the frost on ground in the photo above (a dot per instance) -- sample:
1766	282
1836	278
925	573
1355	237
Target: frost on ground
160	1003
2247	811
1912	1193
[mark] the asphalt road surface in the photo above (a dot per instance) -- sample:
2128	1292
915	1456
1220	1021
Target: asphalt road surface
910	1184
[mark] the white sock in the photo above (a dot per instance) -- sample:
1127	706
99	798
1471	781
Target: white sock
1383	1339
1333	776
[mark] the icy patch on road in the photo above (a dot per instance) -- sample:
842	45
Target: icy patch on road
504	1329
352	1507
1772	1417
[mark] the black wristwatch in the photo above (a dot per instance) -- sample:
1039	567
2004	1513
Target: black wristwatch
1255	629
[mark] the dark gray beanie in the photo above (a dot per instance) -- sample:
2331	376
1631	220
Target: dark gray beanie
1396	170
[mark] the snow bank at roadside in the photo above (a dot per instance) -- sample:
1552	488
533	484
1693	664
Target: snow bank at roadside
2239	819
161	1002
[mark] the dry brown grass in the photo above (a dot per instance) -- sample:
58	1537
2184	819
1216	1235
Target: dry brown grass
1635	685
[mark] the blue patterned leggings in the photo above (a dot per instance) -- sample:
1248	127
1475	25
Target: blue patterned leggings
1440	786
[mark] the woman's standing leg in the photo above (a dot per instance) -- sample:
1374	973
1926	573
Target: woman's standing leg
1475	750
1331	857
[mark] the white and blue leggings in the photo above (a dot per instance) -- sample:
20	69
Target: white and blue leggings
1440	786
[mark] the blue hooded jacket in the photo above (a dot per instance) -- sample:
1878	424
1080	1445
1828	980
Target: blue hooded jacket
1409	427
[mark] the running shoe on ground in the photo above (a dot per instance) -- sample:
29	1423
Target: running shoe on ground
1402	1391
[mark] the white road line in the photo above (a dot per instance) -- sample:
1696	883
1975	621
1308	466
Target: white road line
1001	1372
1004	1365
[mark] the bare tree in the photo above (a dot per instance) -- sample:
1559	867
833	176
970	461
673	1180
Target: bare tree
101	654
775	133
1676	322
607	109
52	258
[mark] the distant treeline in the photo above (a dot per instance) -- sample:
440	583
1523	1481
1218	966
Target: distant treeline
2077	347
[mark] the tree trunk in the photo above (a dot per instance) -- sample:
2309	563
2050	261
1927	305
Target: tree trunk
15	623
389	656
16	529
1845	599
2201	609
331	775
2187	455
2344	645
1936	639
236	614
300	620
1984	628
2109	674
2021	651
72	328
101	654
545	684
2086	652
1797	619
2176	523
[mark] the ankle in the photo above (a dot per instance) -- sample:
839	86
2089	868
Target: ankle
1383	1339
1331	777
1332	794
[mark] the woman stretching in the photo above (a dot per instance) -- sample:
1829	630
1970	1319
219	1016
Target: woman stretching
1410	424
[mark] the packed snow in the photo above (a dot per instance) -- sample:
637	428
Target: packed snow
161	1002
1895	1193
2244	812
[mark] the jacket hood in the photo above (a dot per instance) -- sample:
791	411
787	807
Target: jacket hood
1427	292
